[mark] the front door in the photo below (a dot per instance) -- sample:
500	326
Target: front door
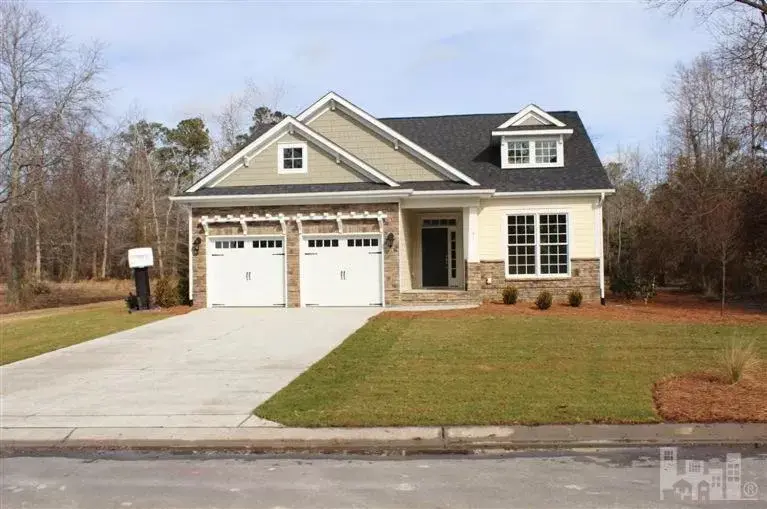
434	257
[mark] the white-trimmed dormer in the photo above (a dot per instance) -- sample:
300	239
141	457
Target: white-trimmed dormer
532	139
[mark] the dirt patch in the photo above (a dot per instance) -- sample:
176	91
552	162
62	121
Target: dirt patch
666	307
704	397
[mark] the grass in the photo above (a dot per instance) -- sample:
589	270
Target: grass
489	369
26	335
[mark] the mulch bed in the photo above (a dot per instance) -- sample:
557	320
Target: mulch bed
704	397
666	307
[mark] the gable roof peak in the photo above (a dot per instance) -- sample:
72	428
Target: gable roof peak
536	114
332	100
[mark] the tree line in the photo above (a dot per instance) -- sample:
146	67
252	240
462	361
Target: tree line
78	190
693	210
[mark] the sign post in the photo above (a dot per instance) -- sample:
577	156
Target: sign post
140	259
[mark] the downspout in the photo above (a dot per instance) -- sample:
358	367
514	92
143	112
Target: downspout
602	299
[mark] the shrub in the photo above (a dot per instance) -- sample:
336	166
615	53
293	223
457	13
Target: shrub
544	300
131	302
183	289
510	295
738	360
166	292
630	286
574	298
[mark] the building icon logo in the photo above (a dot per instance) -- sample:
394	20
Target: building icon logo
701	481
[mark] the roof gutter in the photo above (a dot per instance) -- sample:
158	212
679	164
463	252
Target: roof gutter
567	192
397	193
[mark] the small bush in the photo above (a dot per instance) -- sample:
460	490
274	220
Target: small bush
544	300
574	298
510	295
738	360
630	286
131	302
166	292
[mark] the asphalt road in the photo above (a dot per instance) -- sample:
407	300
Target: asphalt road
572	479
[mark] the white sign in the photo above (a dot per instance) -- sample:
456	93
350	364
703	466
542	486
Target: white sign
140	257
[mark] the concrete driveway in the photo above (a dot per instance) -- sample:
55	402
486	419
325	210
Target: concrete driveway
208	368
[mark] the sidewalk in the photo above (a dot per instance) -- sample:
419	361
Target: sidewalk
450	439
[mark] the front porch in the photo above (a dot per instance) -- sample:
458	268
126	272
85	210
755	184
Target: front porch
434	254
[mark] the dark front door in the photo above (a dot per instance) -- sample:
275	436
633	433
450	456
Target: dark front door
434	256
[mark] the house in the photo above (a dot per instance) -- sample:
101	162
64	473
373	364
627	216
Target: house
335	207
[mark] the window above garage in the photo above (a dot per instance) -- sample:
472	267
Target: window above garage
291	158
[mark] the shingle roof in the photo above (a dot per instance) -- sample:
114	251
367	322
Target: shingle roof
464	142
324	188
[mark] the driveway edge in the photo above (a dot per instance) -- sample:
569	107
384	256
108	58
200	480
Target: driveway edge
450	439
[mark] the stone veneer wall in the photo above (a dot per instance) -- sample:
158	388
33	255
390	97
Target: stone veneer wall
292	247
585	277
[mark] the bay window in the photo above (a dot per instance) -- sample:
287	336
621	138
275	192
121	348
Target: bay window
537	244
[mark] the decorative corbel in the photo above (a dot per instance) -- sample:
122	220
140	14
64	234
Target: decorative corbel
299	224
396	144
338	158
380	222
204	224
245	161
332	105
283	225
340	223
244	224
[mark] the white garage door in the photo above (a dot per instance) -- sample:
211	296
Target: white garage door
342	270
246	271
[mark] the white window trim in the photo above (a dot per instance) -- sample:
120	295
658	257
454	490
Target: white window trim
505	245
505	164
304	158
460	278
524	113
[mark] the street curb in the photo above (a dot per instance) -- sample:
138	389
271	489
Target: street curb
406	440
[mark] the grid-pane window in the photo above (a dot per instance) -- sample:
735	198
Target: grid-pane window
519	152
538	245
292	158
553	234
521	244
545	151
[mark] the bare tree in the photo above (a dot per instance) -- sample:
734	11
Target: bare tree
42	82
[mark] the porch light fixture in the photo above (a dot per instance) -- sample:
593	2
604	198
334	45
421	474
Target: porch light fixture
196	245
389	242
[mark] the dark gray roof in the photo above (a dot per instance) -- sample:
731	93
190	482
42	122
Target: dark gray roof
324	188
464	142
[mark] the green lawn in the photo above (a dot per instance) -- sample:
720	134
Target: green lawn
26	335
498	370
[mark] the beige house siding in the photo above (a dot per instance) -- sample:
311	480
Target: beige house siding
262	170
371	148
581	211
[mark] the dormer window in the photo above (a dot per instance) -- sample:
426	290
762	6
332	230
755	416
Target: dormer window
546	152
291	158
519	152
532	139
531	153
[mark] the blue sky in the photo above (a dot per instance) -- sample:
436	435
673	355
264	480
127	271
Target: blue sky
608	60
